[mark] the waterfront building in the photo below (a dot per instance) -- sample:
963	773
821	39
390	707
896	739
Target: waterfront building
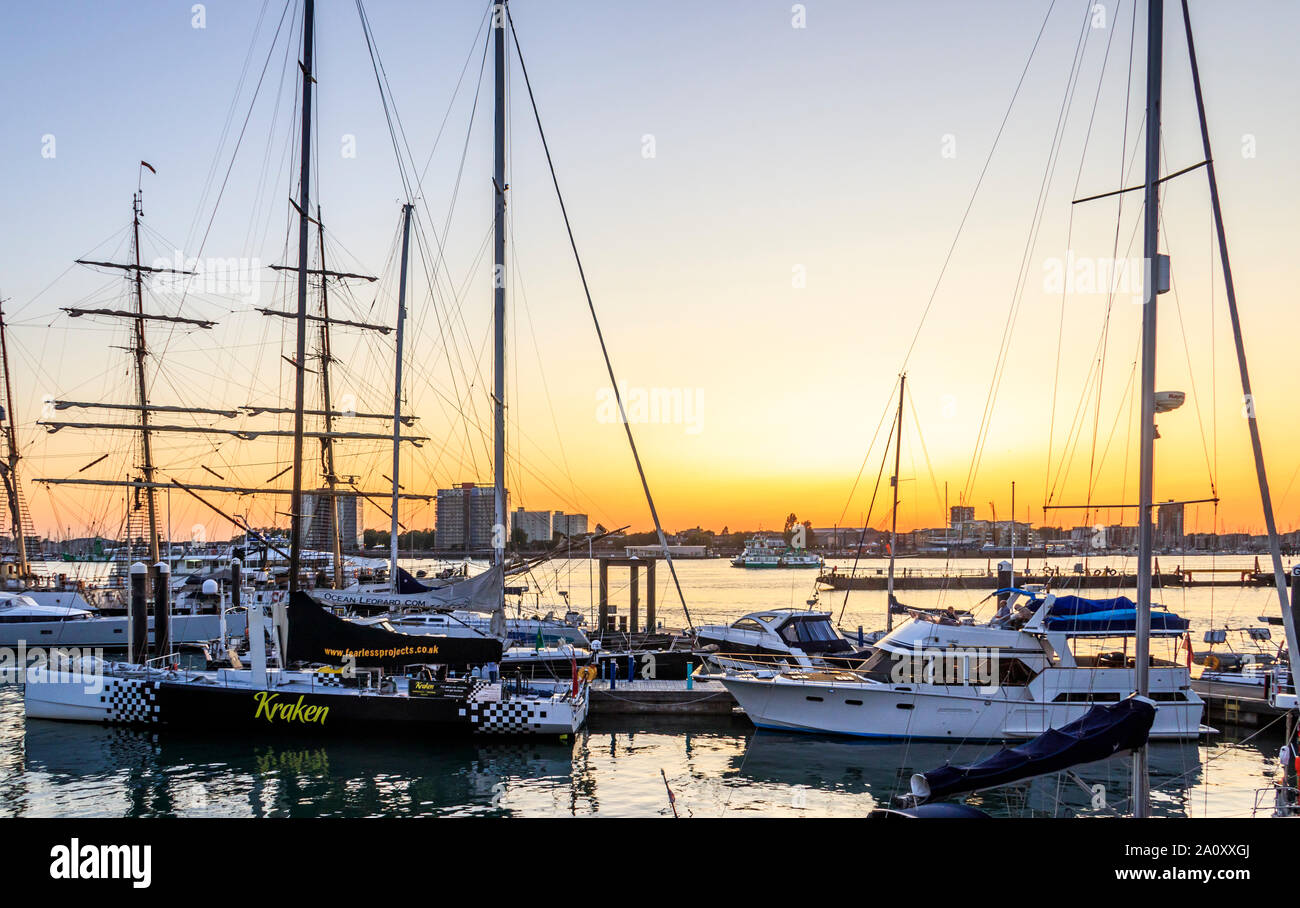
465	516
534	525
318	521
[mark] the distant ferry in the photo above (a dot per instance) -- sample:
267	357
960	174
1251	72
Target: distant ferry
761	552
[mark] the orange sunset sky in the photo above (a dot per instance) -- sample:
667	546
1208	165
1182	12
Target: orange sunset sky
764	208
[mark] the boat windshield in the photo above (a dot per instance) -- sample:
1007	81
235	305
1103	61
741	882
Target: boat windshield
808	630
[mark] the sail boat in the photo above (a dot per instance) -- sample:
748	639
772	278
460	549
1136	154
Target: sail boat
25	597
414	686
1019	675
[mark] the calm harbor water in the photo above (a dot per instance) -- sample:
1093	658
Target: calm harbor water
715	767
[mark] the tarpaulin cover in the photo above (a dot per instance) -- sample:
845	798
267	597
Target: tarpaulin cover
1099	733
318	636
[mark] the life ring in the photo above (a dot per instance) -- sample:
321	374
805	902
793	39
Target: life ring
1211	662
277	596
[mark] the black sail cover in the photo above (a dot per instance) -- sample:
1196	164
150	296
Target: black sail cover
1099	733
319	636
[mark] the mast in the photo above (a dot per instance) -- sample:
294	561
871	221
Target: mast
12	456
1274	546
397	392
295	512
327	440
1150	289
1013	534
499	291
893	528
142	393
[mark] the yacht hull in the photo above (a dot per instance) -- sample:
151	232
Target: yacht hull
298	707
111	633
879	710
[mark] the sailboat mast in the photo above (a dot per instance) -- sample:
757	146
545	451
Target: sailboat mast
12	456
142	393
893	527
1274	545
1013	534
397	392
327	402
300	360
499	290
1150	289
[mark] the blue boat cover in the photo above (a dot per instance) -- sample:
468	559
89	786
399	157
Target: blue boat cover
1116	615
1077	605
1098	734
408	584
1119	621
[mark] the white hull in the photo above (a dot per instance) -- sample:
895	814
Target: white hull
58	598
112	633
948	712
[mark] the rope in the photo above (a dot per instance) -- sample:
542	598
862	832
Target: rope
591	306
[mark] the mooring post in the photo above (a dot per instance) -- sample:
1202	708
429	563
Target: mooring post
634	592
137	640
602	622
650	624
162	609
1004	580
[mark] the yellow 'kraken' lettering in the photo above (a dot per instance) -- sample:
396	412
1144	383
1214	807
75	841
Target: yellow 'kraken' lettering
268	708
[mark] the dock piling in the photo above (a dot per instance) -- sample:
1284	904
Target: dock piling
138	620
162	609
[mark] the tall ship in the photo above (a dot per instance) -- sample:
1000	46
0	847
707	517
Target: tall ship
763	552
330	675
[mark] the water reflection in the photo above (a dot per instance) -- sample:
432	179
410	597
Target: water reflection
715	767
133	773
828	769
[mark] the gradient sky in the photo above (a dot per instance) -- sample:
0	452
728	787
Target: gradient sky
840	155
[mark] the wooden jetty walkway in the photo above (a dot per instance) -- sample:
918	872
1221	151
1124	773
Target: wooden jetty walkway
652	697
1237	704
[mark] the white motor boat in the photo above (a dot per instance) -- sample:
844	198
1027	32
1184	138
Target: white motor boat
26	622
777	638
979	682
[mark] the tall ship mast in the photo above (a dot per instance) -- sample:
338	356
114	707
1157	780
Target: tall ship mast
9	466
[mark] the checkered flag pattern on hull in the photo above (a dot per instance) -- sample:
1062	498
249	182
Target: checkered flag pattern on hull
130	702
505	717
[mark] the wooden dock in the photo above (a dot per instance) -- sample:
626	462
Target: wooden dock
647	697
1236	704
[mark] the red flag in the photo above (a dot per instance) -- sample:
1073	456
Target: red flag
147	164
1187	643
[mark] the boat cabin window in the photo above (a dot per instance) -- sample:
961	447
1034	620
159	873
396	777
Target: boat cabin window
947	668
748	624
798	631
